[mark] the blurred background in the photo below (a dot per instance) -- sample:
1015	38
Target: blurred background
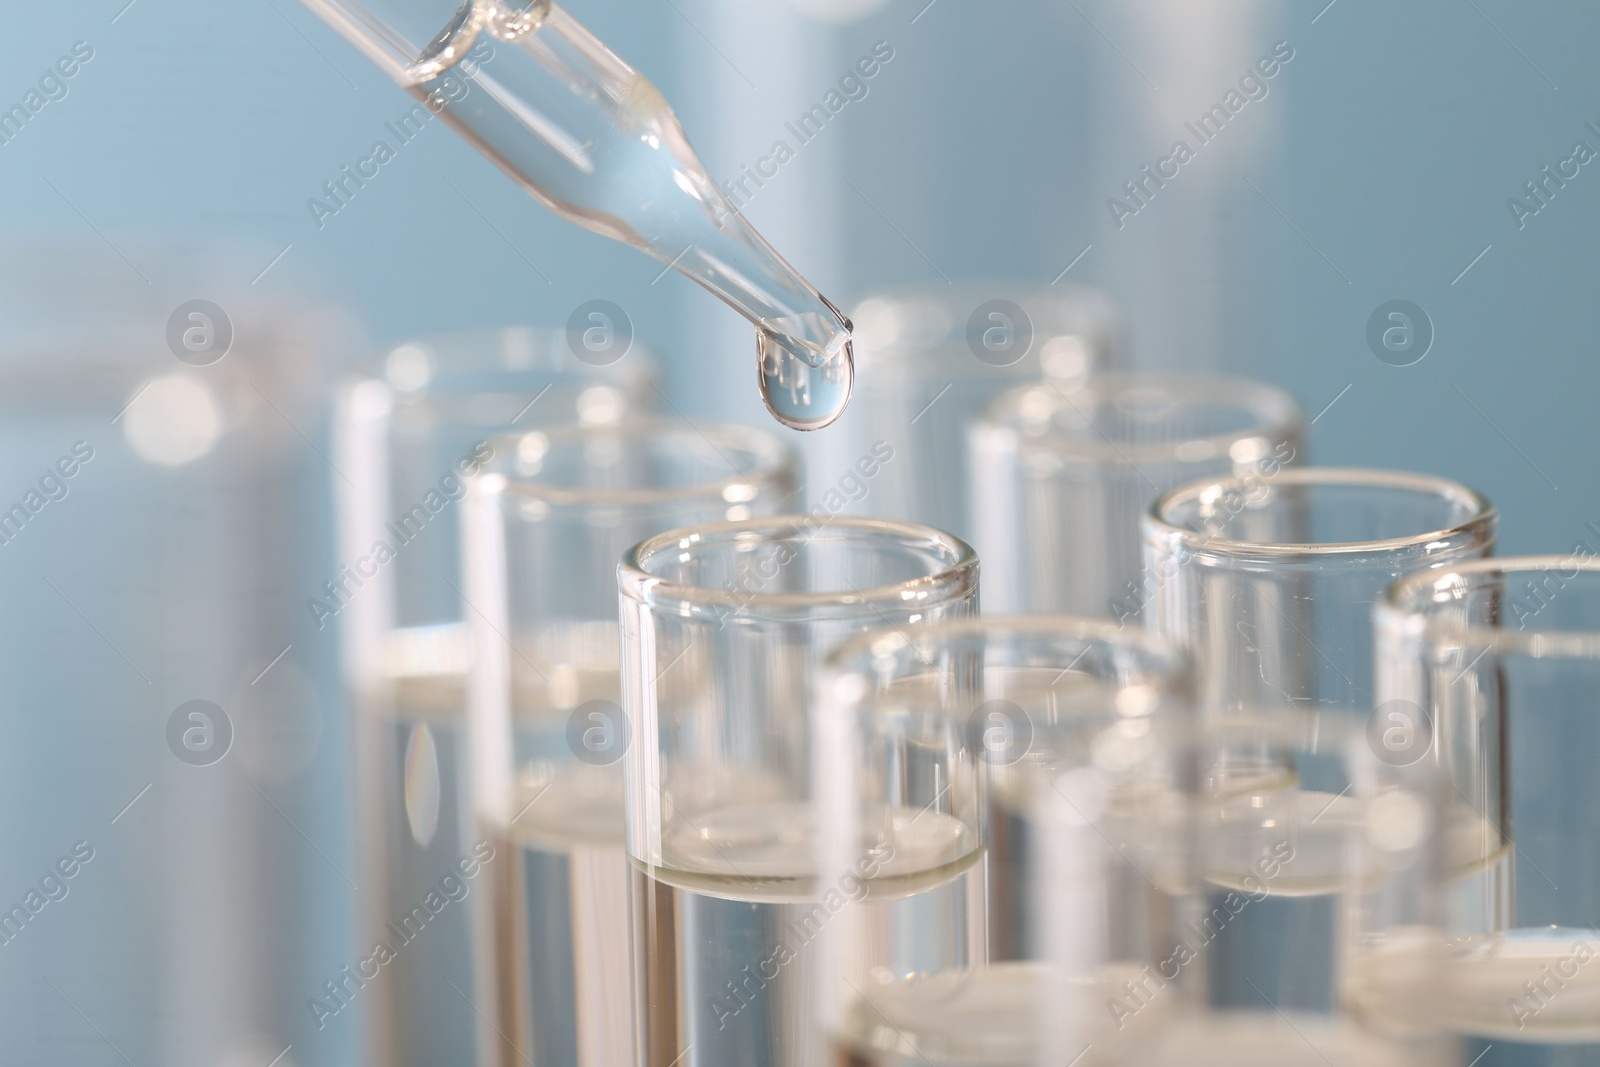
1387	158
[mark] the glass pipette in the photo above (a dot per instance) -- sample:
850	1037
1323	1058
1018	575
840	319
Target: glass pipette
595	142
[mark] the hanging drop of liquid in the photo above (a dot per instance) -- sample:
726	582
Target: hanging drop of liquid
799	395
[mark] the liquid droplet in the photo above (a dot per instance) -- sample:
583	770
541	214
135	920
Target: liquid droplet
801	396
423	789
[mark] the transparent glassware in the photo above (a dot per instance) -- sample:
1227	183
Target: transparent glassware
973	726
546	523
428	402
1189	258
1270	585
1501	658
1270	582
724	627
590	138
1062	477
162	526
407	439
1313	931
920	377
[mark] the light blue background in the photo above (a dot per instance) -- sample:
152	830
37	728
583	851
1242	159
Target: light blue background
987	148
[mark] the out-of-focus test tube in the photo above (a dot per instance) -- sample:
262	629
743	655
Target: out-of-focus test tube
1061	477
1270	585
991	723
926	361
409	439
161	531
545	524
1312	936
1495	664
724	627
1195	253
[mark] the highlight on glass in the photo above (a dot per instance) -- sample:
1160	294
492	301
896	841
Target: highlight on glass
971	732
545	523
724	627
1499	661
1061	477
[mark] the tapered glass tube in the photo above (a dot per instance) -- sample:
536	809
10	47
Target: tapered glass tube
1061	478
1270	584
926	361
723	629
545	524
981	726
408	438
1502	659
594	141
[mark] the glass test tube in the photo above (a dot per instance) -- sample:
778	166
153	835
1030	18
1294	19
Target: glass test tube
164	495
926	360
1061	478
1502	659
408	439
723	629
965	730
1270	584
545	526
1313	932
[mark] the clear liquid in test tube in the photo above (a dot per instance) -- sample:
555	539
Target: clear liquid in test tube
544	529
593	140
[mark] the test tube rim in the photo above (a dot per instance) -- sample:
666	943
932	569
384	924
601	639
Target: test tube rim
774	466
956	578
1279	416
485	350
1144	642
1478	527
1401	610
1083	311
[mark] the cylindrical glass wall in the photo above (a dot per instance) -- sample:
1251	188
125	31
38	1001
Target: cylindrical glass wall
545	526
1061	477
1270	585
723	629
1499	660
407	441
1270	582
172	854
1197	253
1313	930
961	735
926	362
